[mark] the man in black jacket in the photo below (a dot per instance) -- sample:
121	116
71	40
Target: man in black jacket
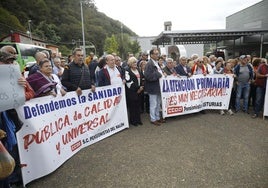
76	76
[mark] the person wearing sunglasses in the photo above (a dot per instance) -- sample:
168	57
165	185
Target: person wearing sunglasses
199	67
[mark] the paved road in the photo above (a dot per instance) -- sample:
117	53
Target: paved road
197	150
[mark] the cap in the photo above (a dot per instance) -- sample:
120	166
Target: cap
242	57
6	56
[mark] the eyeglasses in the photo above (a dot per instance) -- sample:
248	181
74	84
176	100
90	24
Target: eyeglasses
201	61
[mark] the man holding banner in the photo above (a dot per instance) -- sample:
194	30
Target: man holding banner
260	82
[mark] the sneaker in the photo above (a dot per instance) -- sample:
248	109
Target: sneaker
254	116
230	112
222	112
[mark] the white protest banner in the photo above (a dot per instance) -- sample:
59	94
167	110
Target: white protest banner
56	128
265	111
185	95
11	94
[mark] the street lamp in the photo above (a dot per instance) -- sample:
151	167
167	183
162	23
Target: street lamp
92	46
121	39
83	31
30	33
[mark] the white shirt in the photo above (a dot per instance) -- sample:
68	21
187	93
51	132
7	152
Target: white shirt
158	68
59	85
115	76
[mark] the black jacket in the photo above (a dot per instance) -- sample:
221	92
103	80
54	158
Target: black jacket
132	80
75	76
180	70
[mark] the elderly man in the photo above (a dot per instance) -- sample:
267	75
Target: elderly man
110	74
152	74
39	56
9	49
144	57
57	69
169	68
182	68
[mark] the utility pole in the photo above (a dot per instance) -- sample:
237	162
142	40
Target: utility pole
122	39
30	32
83	30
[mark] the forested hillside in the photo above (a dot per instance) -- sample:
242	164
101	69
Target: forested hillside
59	21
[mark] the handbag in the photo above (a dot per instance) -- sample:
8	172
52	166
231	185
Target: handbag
7	162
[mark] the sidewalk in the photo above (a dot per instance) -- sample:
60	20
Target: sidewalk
196	150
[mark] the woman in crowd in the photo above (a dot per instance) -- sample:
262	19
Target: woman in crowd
144	95
208	65
252	94
134	88
218	69
161	62
44	82
199	67
228	69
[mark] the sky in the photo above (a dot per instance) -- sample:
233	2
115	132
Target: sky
147	17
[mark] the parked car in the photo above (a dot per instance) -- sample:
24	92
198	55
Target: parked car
26	53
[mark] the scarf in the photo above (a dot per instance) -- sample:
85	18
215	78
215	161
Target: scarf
194	68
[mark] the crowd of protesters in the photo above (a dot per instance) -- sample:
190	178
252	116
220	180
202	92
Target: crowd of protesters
52	76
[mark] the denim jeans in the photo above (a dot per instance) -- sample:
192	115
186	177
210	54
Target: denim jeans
154	101
259	101
242	90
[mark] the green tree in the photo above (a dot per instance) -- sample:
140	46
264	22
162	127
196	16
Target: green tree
48	32
126	45
111	45
135	47
64	50
8	23
59	22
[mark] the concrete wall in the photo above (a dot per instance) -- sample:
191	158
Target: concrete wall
253	17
